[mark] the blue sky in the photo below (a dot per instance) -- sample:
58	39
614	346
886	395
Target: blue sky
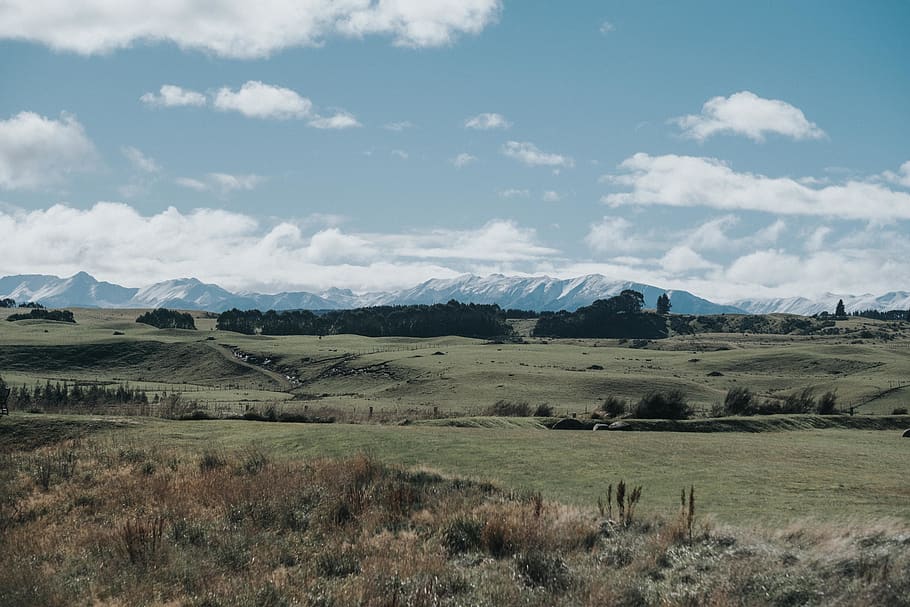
731	150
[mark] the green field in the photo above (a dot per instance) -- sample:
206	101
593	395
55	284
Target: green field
116	504
402	377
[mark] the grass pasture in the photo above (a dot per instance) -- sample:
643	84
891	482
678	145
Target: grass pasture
457	376
434	502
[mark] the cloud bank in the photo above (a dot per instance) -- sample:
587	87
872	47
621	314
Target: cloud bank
692	181
239	28
37	152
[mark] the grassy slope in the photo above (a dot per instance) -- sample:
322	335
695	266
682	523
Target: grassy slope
404	374
742	478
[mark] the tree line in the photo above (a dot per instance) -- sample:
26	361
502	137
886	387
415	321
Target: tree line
453	318
44	314
8	302
621	316
163	318
63	396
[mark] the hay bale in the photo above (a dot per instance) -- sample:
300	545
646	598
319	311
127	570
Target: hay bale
601	426
906	433
569	423
620	426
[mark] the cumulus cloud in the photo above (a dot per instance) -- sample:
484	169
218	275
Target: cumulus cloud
221	183
238	28
38	152
902	177
139	160
487	121
745	113
606	27
683	259
463	160
690	181
551	196
171	95
258	100
239	251
531	155
340	120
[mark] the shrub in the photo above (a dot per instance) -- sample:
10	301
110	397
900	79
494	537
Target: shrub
899	411
799	402
739	401
210	461
462	535
827	403
543	410
506	408
540	568
140	539
614	406
663	405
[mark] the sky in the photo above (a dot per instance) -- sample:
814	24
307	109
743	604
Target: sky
735	150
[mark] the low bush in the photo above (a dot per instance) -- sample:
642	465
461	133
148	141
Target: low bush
507	408
614	406
663	405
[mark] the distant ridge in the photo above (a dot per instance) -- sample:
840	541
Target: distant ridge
535	293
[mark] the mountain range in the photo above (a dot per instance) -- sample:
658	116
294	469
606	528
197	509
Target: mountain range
536	293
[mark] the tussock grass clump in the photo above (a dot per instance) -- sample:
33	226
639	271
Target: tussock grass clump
258	530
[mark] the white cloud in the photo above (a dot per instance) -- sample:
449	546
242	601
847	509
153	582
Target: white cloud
258	100
339	120
551	196
531	155
38	152
221	183
463	159
139	160
173	96
684	259
400	154
745	113
398	126
606	27
612	234
514	193
238	251
487	121
902	177
816	240
713	235
689	181
239	28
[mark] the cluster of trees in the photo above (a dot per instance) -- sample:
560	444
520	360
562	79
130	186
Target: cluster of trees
741	401
167	319
8	302
44	314
883	315
452	318
64	396
620	316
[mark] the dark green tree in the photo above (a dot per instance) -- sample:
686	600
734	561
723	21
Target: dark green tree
840	311
663	304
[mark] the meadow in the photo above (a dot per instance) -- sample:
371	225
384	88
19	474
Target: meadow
429	500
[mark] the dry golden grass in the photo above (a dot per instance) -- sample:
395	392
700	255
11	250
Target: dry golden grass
130	525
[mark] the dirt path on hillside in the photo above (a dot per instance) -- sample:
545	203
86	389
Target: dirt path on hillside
228	354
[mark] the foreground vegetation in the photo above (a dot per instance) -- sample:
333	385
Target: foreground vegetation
106	518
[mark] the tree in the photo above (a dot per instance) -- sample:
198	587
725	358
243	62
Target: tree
663	304
4	394
840	311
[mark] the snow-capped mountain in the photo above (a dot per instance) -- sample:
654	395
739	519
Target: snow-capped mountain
535	293
542	293
79	290
895	300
